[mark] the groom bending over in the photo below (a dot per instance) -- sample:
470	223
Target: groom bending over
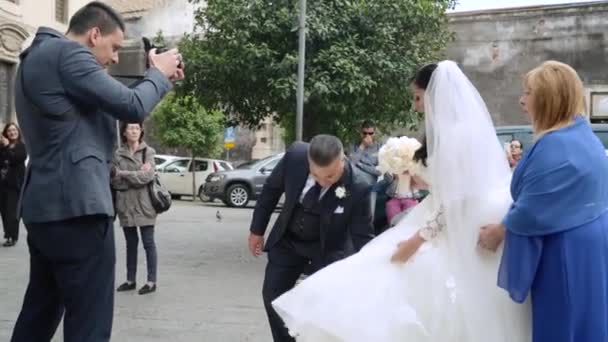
325	218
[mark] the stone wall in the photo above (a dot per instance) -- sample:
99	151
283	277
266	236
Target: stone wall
12	36
496	48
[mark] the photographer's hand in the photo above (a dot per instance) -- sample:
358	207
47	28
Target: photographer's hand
166	62
178	76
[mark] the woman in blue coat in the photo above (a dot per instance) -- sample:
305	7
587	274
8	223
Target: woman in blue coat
556	240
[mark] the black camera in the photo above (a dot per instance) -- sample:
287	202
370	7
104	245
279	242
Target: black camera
148	45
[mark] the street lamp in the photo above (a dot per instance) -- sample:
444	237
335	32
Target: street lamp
301	58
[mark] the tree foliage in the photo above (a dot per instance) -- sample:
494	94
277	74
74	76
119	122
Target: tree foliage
360	56
181	121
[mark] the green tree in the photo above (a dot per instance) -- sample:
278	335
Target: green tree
182	121
360	55
159	39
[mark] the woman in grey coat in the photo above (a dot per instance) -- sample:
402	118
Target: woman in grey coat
131	174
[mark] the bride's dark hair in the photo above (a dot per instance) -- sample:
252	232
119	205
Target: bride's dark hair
422	80
423	76
421	154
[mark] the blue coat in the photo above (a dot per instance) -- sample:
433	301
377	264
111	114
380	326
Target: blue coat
556	246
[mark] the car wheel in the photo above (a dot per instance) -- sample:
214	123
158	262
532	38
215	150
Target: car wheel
237	195
204	198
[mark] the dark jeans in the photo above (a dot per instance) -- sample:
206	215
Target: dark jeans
72	271
8	210
147	239
287	260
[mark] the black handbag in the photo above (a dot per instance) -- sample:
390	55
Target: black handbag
159	195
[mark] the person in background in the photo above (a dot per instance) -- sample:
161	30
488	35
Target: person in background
364	154
12	171
401	199
515	152
134	168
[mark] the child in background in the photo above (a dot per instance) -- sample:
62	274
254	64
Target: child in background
403	196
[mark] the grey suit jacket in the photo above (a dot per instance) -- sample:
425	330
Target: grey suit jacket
67	105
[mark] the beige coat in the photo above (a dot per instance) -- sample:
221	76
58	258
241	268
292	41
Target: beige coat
133	205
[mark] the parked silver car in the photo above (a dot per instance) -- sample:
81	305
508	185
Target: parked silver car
177	172
239	186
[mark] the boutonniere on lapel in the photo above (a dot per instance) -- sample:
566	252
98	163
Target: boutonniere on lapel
341	192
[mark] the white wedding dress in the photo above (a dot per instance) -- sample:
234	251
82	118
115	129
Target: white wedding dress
446	292
366	298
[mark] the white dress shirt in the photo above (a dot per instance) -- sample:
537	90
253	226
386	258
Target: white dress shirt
310	182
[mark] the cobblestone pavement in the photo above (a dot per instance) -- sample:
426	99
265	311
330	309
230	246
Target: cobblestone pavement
209	287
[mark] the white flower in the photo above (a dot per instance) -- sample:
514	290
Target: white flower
341	192
397	155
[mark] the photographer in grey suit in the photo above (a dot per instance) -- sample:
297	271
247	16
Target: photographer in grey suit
67	105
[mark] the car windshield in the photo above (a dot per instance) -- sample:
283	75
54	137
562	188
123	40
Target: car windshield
226	166
254	164
247	165
603	136
526	137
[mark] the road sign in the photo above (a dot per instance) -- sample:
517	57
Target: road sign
229	137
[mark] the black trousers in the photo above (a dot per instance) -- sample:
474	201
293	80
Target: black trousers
147	239
9	197
71	272
287	260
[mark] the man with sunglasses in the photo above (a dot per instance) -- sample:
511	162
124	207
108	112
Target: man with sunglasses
364	154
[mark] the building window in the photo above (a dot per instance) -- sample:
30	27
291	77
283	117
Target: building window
199	165
599	106
61	11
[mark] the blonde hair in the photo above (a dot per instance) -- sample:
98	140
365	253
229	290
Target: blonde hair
558	96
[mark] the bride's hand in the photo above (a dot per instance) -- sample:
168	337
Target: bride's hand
407	248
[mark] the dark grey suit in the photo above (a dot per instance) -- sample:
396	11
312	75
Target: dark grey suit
344	226
67	105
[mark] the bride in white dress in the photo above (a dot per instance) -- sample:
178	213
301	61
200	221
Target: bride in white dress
426	279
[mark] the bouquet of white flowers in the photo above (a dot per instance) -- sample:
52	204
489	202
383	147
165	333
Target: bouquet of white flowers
397	155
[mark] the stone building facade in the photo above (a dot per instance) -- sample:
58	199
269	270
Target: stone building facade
496	48
19	20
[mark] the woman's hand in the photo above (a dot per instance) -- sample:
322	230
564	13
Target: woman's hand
407	248
4	141
146	167
491	236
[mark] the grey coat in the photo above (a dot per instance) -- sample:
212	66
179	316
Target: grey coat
67	106
133	205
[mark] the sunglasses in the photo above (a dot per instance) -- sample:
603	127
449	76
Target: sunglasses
367	133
